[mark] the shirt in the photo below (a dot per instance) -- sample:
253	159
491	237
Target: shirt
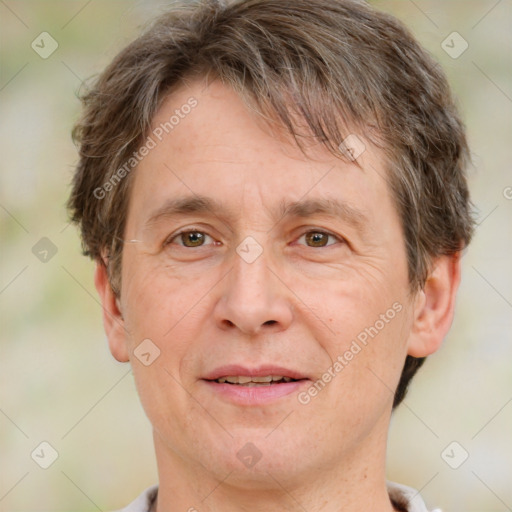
403	498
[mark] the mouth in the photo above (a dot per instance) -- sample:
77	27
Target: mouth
244	380
254	386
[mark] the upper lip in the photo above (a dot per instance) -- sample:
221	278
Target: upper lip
260	371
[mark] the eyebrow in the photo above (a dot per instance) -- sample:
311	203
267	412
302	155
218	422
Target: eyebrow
324	206
187	205
305	208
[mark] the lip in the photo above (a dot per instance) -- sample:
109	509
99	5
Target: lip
260	371
255	395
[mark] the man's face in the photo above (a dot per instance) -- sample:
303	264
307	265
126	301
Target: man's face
250	273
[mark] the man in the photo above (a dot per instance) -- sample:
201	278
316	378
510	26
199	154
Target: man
274	194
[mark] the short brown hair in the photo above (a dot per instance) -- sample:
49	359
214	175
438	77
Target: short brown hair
334	66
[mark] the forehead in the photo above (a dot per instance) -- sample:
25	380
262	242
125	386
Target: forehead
206	142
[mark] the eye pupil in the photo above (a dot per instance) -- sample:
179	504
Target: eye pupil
192	238
317	239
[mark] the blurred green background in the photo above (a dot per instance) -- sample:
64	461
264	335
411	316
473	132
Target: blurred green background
58	381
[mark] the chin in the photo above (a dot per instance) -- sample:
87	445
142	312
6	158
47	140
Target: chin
255	460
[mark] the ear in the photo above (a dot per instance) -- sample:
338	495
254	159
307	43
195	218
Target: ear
434	307
113	321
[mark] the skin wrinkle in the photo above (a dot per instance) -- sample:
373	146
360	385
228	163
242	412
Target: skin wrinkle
301	209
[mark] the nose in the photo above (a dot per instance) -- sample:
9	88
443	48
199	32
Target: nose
254	299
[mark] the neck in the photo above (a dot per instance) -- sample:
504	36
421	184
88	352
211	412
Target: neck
355	482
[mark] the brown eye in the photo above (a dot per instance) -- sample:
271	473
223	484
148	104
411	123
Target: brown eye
318	238
192	238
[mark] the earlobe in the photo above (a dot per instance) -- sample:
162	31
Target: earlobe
113	321
434	307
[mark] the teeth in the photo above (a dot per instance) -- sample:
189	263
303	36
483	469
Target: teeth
261	379
252	381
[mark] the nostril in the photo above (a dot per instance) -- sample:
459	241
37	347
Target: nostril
270	322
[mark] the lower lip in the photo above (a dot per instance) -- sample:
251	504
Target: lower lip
254	395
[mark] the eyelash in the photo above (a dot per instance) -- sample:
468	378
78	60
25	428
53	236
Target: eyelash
316	231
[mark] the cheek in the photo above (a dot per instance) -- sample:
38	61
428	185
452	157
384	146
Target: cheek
158	300
365	304
161	316
362	328
171	312
373	358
